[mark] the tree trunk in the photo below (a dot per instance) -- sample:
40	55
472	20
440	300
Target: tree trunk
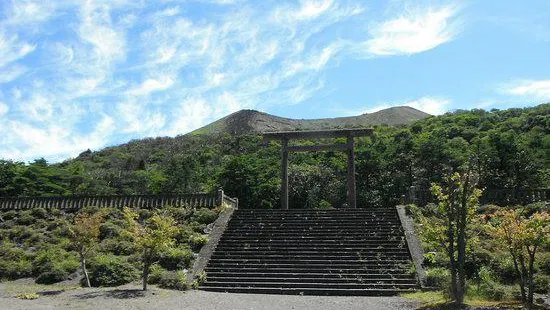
461	234
524	274
83	266
451	249
530	277
521	286
146	266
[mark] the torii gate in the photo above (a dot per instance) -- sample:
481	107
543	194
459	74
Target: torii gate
349	147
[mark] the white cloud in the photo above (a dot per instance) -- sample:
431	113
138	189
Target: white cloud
3	109
413	32
12	49
536	89
191	114
428	104
152	85
137	118
11	73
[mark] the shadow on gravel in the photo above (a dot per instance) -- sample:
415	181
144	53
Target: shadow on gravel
50	293
118	294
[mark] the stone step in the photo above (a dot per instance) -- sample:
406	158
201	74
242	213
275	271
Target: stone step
391	270
403	264
306	291
354	279
312	275
323	249
373	256
312	285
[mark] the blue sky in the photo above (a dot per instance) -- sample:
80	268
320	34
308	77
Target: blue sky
88	74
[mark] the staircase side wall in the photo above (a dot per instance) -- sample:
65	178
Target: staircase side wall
413	243
208	249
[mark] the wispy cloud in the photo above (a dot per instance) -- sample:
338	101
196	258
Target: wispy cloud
414	31
536	89
79	75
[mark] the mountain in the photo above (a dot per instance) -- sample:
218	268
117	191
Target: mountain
252	121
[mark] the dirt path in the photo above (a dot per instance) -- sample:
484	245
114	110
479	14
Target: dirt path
130	297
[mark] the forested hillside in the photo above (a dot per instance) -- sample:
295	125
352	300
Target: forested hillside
508	149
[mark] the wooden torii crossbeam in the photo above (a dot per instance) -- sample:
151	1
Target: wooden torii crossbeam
349	147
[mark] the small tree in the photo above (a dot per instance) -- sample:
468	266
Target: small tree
153	237
85	235
458	199
523	236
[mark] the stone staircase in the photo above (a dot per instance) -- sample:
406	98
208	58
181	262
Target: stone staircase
312	252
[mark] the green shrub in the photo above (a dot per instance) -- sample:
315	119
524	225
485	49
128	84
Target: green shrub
180	214
324	205
197	227
173	280
9	215
15	263
183	234
155	274
54	275
487	287
118	247
196	241
542	283
177	258
205	216
266	204
543	262
110	270
25	218
54	264
110	229
503	268
438	277
39	213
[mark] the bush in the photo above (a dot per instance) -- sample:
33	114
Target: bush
118	247
156	273
503	268
109	229
39	213
183	234
15	263
173	280
110	270
265	204
205	216
9	215
25	218
177	258
196	241
542	283
180	214
543	262
324	205
438	277
54	264
54	275
487	287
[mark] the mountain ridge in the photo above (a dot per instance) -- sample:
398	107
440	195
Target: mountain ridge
252	121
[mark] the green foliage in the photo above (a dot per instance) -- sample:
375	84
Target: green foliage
205	216
176	258
111	270
196	241
173	280
487	287
439	278
156	274
54	264
14	262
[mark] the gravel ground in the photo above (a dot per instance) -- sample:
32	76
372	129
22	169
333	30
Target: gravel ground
130	297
